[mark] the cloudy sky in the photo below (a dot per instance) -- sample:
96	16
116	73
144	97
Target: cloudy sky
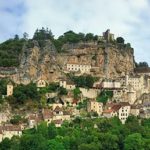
127	18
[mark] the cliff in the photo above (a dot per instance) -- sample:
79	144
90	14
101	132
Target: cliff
44	62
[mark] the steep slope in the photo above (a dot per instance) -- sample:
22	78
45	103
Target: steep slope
44	62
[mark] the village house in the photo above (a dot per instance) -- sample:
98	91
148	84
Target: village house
34	120
58	122
94	106
122	110
10	89
51	95
142	71
59	113
69	85
47	115
41	83
107	84
136	81
8	131
135	111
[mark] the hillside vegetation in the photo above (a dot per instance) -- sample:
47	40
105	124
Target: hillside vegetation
84	134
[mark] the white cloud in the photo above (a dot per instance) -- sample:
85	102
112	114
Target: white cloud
124	18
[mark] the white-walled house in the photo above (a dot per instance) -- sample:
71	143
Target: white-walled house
41	83
8	131
75	67
122	110
69	85
110	84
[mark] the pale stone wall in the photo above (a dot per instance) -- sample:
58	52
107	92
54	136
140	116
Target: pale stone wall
89	93
111	84
9	89
135	111
95	106
10	134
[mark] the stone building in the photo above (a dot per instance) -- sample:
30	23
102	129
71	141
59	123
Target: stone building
75	67
110	84
107	36
10	88
136	81
122	110
94	106
8	131
69	85
41	83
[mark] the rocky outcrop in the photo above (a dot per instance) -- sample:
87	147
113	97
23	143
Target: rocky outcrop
44	62
38	63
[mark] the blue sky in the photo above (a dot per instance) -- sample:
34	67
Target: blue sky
127	18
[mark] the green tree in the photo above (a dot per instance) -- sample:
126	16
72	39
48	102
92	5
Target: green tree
89	37
43	34
134	142
55	145
52	131
5	144
109	141
76	93
33	142
120	40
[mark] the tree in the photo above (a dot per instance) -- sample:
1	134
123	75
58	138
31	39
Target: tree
55	145
120	40
33	142
25	92
62	91
109	141
92	146
83	81
104	96
25	36
16	37
5	144
43	34
3	86
89	37
76	93
52	131
134	142
143	65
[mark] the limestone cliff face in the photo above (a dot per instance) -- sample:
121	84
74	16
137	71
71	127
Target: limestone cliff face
44	62
38	63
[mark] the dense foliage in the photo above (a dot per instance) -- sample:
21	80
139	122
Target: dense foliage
43	34
120	40
72	37
22	93
104	96
85	81
84	134
142	65
3	86
10	51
